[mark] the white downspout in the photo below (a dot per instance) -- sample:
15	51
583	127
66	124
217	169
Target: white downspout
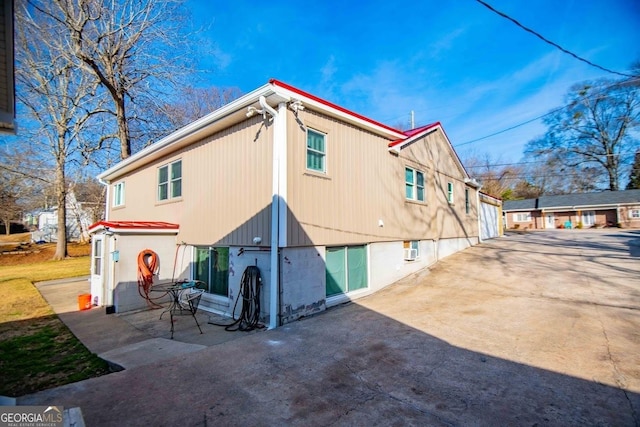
479	208
108	195
278	203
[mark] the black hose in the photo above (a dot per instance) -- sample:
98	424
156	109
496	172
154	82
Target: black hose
249	318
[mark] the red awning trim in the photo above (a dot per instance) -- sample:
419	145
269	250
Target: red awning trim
134	226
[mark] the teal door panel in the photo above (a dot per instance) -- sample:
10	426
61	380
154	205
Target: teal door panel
336	278
357	267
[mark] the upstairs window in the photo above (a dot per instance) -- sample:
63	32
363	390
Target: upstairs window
414	184
316	151
118	194
170	181
450	192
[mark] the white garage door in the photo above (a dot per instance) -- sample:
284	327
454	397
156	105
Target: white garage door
488	221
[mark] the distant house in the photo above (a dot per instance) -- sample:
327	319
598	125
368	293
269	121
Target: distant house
328	204
79	218
586	210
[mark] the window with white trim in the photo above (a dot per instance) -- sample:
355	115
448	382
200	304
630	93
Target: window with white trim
170	181
412	245
118	194
414	184
634	213
522	217
450	192
316	151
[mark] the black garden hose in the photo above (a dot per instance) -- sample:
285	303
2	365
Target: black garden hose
249	318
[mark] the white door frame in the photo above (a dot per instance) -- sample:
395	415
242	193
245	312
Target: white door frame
549	220
97	273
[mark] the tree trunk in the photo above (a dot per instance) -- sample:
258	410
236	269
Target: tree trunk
61	197
123	128
7	227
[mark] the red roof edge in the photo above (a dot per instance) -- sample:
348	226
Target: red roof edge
414	132
331	105
143	225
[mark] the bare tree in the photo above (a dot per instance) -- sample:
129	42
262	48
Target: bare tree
496	176
594	131
133	48
634	175
10	208
61	100
195	103
21	182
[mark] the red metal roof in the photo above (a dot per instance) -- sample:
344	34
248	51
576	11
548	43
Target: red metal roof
140	225
331	105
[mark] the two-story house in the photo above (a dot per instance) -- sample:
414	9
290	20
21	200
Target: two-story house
329	204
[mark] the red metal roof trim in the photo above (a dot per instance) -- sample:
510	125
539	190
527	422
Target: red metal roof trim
414	132
330	104
147	225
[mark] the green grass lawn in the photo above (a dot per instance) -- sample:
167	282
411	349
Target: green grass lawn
37	350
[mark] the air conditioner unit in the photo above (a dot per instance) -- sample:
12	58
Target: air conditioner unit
410	254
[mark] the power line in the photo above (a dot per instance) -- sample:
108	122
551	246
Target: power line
504	15
512	127
593	96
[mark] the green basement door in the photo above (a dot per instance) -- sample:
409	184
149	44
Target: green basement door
346	269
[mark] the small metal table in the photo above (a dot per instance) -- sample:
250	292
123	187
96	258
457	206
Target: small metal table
184	298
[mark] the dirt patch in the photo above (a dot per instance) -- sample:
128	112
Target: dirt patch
27	253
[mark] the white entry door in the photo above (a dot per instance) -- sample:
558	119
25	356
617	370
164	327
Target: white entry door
97	270
550	221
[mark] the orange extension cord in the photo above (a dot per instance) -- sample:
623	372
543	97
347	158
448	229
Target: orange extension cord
147	267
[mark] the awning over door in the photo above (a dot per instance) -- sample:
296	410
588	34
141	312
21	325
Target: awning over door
138	227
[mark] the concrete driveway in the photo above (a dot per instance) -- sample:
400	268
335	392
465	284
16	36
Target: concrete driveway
541	328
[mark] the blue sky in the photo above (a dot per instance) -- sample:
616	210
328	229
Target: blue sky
454	61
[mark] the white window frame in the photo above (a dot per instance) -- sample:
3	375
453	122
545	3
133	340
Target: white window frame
323	154
412	244
450	192
522	217
414	185
634	213
170	183
118	194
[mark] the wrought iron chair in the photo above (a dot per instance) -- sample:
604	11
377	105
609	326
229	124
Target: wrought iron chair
188	304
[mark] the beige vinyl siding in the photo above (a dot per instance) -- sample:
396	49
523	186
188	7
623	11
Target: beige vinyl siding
364	184
226	189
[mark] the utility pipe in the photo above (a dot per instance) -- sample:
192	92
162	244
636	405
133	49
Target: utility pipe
278	204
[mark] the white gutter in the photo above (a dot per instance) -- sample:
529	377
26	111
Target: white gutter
278	203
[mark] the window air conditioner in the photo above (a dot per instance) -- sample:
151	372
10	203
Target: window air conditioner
410	254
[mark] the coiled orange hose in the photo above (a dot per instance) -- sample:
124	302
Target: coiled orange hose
147	267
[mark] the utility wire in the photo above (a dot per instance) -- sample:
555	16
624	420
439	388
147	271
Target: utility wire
504	15
594	96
